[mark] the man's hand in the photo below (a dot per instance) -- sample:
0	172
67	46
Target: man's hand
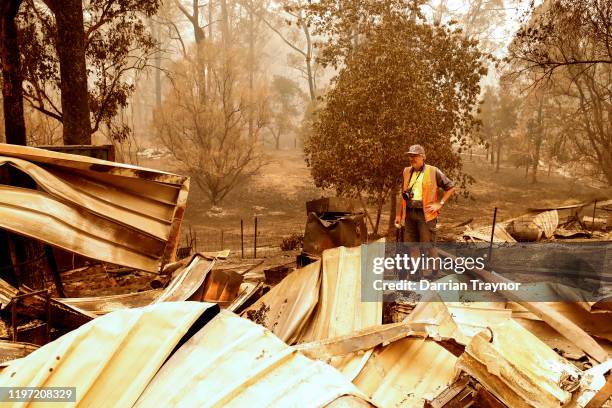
433	207
397	222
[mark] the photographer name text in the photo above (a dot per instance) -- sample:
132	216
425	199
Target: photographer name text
423	285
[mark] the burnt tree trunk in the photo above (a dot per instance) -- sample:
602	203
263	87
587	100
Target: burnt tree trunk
392	211
538	142
73	73
157	59
498	153
536	162
527	169
251	57
225	25
312	87
12	92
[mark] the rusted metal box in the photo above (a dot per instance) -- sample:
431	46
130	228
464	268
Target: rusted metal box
330	205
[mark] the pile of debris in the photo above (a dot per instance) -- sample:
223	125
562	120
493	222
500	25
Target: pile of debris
507	352
58	210
180	354
321	343
286	336
577	221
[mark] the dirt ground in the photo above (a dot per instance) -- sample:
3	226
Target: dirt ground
278	194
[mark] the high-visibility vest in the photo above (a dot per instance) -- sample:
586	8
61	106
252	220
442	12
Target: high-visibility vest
430	190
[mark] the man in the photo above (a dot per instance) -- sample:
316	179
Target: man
420	206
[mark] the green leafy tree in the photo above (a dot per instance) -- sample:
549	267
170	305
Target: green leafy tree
506	120
117	43
285	102
406	83
487	115
498	115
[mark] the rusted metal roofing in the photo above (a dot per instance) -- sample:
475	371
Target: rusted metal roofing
113	212
150	357
406	373
232	362
247	291
110	360
340	309
518	368
321	300
543	310
547	221
596	324
288	306
484	233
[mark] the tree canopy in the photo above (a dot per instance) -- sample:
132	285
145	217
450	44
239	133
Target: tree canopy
406	83
117	43
564	46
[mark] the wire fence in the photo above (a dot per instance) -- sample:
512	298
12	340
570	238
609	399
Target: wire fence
244	239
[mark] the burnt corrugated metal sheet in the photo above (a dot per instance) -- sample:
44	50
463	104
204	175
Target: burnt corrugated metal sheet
406	373
108	211
248	290
288	306
321	300
188	281
518	368
320	234
232	362
151	357
596	324
101	305
110	360
340	309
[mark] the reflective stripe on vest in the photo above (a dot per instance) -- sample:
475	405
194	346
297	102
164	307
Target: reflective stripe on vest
430	191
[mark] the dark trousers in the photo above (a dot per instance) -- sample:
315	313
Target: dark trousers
416	228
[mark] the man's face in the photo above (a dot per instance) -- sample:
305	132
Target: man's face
416	160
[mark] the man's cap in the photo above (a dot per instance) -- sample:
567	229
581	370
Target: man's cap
416	149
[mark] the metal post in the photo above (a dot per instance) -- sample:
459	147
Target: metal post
242	238
54	270
48	299
255	240
14	319
492	233
593	222
222	240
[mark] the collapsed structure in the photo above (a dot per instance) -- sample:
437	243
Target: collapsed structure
114	212
310	340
